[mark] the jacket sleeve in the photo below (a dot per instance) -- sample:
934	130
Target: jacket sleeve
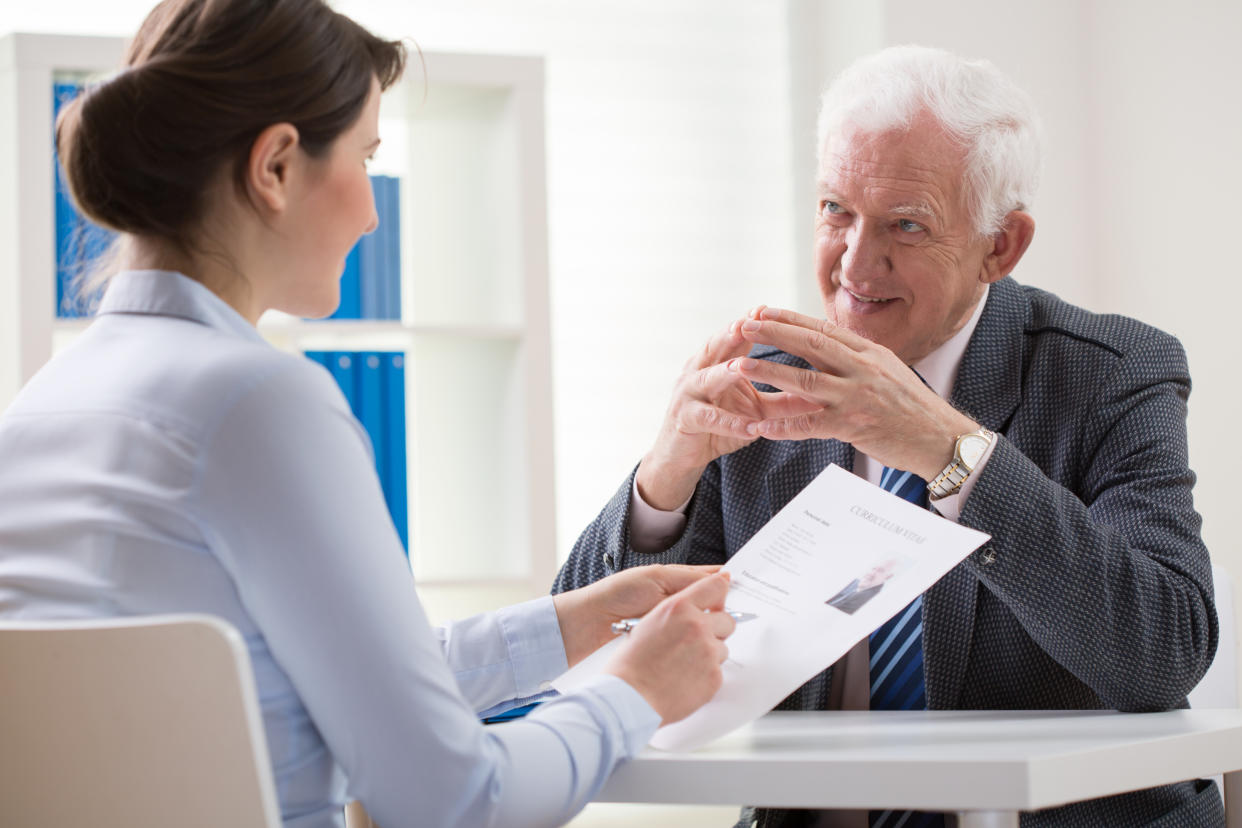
604	546
1108	573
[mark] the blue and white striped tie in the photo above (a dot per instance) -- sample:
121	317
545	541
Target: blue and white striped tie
897	657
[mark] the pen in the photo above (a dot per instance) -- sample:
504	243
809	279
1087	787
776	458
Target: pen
628	624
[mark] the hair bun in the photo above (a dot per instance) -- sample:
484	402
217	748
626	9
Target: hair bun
104	140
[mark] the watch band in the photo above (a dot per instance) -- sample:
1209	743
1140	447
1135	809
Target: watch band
952	477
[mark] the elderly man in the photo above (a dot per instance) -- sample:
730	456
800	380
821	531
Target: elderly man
1059	432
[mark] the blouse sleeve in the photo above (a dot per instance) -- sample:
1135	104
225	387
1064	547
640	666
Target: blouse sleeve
288	499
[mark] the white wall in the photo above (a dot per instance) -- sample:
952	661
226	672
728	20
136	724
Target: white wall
1167	167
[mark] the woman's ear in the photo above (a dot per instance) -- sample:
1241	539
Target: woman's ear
273	157
1008	245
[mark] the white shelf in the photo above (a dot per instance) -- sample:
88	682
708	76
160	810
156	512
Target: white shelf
467	141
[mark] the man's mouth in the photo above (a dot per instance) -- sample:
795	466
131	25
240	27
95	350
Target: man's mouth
870	299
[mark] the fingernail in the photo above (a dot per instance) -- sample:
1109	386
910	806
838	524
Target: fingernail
733	364
752	429
750	325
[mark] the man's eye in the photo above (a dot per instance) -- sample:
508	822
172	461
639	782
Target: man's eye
830	208
907	226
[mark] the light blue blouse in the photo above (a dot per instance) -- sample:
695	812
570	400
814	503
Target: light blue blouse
172	461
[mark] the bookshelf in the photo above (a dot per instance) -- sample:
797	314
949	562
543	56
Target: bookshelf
467	141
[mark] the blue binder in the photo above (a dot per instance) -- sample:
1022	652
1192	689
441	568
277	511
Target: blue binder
341	364
396	491
371	259
78	241
320	357
392	249
371	409
351	288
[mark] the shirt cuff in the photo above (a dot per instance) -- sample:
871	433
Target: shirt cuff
651	529
532	636
951	506
637	719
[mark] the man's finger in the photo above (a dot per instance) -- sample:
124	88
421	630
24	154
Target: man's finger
813	386
777	404
722	347
702	418
794	428
821	350
838	332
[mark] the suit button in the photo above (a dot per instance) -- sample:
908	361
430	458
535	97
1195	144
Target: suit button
608	561
987	556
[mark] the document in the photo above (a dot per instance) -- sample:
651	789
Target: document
838	561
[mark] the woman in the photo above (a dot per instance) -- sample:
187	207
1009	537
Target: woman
171	461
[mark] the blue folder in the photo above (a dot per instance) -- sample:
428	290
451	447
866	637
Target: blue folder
371	409
341	364
78	241
371	259
351	295
394	440
392	248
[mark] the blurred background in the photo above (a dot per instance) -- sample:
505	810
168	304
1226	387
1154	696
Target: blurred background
680	164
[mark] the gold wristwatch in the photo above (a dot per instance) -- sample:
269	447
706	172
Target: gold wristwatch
967	452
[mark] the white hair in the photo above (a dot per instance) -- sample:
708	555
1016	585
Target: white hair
992	118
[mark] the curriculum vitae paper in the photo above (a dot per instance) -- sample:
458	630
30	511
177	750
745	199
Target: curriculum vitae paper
838	561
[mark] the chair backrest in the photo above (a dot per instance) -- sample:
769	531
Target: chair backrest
1219	687
149	721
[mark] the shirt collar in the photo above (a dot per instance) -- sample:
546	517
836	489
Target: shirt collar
168	293
939	368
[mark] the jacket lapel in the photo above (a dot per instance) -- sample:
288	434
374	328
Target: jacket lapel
989	380
988	388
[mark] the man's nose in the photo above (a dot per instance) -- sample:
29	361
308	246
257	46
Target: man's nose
866	252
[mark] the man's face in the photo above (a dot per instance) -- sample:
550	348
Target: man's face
877	574
897	258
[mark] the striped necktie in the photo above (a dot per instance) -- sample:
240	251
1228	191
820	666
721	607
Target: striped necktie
897	657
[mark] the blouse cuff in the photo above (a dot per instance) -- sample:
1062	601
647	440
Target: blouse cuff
532	635
637	719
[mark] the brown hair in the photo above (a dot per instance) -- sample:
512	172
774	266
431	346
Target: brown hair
203	79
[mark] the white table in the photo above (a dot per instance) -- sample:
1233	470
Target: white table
986	765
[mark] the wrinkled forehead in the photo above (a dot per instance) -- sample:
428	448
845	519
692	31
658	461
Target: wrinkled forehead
907	170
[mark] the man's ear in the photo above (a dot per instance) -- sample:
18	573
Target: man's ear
1008	245
273	156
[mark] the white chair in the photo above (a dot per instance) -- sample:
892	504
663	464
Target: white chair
134	722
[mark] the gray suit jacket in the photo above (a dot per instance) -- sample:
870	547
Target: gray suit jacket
1095	591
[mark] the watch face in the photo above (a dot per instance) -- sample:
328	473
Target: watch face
971	448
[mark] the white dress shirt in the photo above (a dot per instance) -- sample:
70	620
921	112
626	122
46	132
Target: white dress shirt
172	461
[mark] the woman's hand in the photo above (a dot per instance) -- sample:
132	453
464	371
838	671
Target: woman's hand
673	657
586	614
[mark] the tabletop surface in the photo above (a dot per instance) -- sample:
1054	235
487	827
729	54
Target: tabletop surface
942	760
